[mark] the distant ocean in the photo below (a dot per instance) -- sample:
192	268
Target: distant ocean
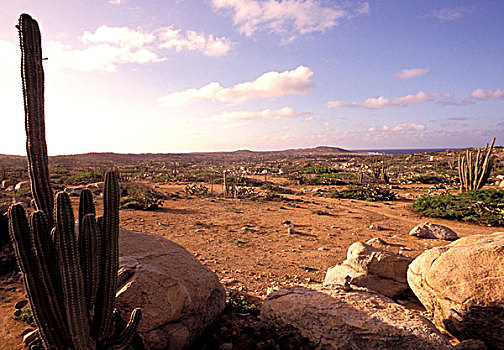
403	151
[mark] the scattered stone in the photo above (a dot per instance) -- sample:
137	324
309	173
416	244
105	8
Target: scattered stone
373	268
377	241
226	281
323	318
433	231
6	184
21	304
179	296
376	227
29	337
462	285
291	231
323	249
22	185
26	330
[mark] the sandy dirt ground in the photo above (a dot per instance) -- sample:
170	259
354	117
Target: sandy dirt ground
247	245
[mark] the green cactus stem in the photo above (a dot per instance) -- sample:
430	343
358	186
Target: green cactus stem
128	333
32	74
109	230
89	245
71	275
51	334
474	170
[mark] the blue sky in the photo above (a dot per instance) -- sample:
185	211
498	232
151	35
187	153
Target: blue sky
205	75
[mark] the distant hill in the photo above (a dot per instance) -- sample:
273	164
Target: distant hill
228	156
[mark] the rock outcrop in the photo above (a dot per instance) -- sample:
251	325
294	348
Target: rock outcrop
179	296
372	268
323	318
462	284
433	231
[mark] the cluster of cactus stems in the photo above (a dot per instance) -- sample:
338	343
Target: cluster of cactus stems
70	281
381	173
474	170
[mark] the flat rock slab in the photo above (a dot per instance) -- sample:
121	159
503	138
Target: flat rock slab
433	231
462	284
179	296
322	318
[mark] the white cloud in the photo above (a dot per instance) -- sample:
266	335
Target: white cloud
398	128
383	102
449	100
335	104
193	41
116	2
285	112
270	84
119	36
288	18
408	127
412	73
485	95
107	47
309	119
102	57
448	14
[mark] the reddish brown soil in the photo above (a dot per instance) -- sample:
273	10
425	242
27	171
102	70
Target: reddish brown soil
245	243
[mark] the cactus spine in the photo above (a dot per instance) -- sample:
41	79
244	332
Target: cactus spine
70	283
474	171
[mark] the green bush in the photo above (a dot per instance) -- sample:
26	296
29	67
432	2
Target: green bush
79	179
480	206
140	197
25	315
196	190
140	203
275	188
370	193
237	302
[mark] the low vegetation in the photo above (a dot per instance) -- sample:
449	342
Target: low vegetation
370	193
481	206
238	302
140	197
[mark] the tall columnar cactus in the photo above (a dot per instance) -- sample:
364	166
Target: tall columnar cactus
32	75
70	282
474	170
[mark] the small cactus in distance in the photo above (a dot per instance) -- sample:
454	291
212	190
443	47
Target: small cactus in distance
474	170
70	283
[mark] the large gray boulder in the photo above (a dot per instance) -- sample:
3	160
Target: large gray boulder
323	318
462	285
373	268
179	296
